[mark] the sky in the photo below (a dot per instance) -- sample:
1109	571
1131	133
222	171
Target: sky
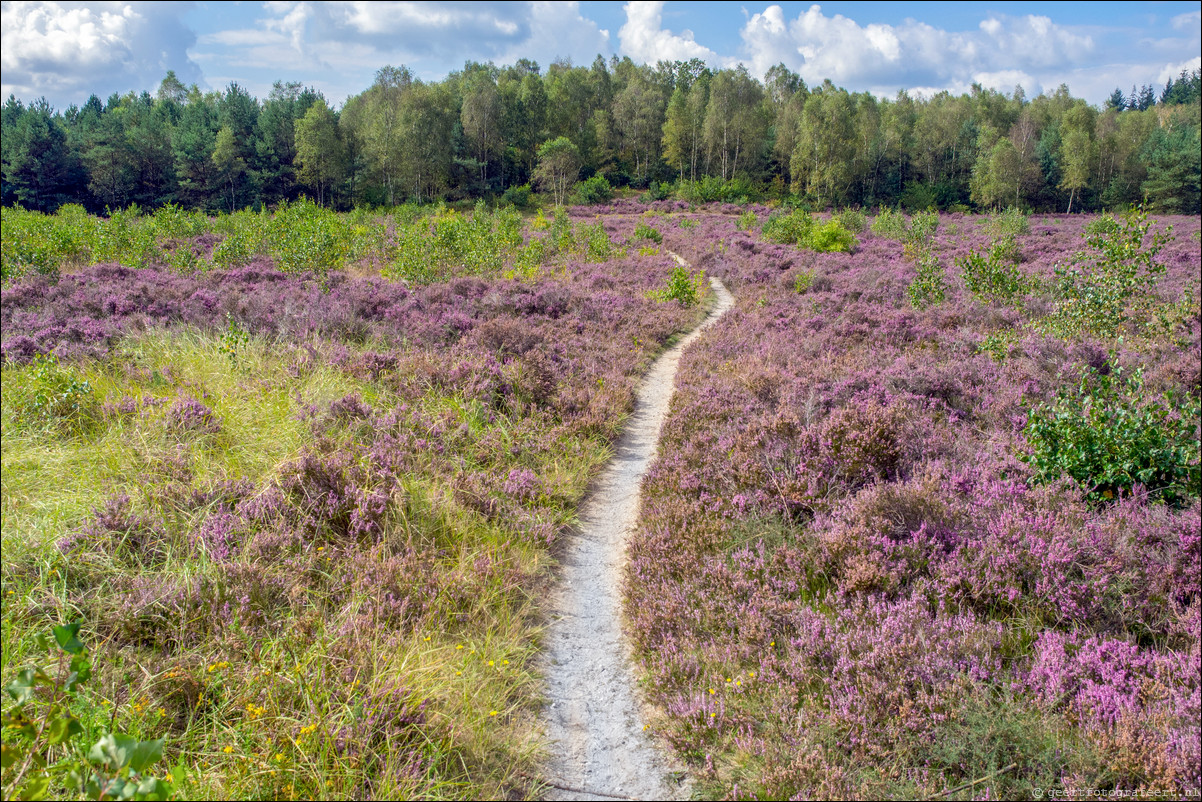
66	51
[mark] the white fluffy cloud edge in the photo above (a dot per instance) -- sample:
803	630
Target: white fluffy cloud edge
67	51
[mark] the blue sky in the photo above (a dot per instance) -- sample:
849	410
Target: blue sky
68	50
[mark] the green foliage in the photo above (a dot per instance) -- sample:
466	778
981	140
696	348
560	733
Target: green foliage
233	340
518	196
52	396
598	247
1111	284
747	221
644	231
1108	435
803	281
682	287
929	287
594	190
42	755
1012	222
994	275
303	236
890	224
712	189
851	219
798	228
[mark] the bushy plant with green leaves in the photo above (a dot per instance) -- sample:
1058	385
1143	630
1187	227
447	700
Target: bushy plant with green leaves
747	221
42	755
890	224
994	275
52	396
594	190
1109	435
646	232
1011	222
1111	284
519	197
799	228
851	219
303	236
244	237
598	247
682	287
929	287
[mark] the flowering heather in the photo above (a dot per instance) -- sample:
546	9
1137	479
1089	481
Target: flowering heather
316	511
847	582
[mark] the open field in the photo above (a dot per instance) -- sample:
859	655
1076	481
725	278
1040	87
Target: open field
922	510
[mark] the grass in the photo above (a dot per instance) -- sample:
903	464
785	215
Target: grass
310	688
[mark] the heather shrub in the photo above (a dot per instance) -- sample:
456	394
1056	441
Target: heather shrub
1110	436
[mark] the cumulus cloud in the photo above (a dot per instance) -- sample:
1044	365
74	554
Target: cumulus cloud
645	40
882	57
67	51
338	46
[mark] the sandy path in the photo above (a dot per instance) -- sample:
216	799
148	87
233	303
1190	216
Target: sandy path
595	722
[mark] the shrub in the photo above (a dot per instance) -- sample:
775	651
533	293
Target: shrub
598	247
1009	223
830	237
682	287
519	197
929	287
993	275
1109	436
52	395
889	224
790	228
1111	284
644	231
594	190
747	221
851	219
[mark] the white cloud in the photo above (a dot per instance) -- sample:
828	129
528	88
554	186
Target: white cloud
68	51
1001	52
1189	21
645	40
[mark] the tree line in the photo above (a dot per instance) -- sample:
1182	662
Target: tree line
487	129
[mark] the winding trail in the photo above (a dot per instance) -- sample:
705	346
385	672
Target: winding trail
599	748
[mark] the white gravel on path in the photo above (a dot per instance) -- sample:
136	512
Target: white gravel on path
595	717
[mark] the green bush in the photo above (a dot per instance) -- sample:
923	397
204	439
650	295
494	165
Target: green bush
929	287
747	221
851	219
889	224
42	755
798	228
644	231
519	197
1112	283
1109	436
830	237
1009	223
994	276
598	247
682	287
594	190
53	396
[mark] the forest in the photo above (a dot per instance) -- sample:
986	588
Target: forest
676	128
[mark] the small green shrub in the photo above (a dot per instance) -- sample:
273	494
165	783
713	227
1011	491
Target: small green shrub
747	221
830	237
1111	284
594	190
890	224
42	756
789	228
929	287
598	247
644	231
851	219
994	276
519	197
55	396
1009	223
803	281
682	287
1108	435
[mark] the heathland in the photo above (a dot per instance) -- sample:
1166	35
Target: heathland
283	493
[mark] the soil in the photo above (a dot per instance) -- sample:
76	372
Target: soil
596	724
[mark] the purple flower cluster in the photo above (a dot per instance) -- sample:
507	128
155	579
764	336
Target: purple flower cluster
841	562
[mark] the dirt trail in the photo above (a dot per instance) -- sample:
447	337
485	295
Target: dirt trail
595	719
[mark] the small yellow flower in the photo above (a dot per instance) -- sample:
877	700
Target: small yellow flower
321	548
228	750
169	777
504	662
751	674
490	662
162	712
728	679
457	646
712	690
279	758
713	715
459	673
492	712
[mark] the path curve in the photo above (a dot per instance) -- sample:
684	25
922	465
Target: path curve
595	724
